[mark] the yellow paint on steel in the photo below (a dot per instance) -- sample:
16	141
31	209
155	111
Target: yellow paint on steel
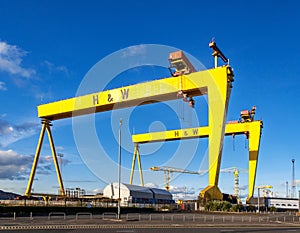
136	154
61	186
253	129
217	85
144	93
35	161
45	126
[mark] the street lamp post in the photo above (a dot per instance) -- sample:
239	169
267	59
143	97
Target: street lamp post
119	171
258	197
60	155
299	201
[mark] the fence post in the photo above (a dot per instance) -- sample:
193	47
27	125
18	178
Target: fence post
31	216
223	218
193	218
14	215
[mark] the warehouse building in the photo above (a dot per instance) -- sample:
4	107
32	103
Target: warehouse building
137	194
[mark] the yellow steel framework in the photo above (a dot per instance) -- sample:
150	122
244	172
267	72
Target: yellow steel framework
216	83
252	130
45	126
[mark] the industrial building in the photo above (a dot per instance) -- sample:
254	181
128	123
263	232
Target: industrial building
137	194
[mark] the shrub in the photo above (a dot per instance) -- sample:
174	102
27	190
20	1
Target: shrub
237	208
218	206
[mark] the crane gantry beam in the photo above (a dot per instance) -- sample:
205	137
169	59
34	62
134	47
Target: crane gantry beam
251	129
216	83
194	84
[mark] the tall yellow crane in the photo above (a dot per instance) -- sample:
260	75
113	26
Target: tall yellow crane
216	83
246	125
168	170
235	171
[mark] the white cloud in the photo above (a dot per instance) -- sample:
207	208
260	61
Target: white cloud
151	185
59	148
52	68
243	187
11	59
183	192
134	50
10	133
97	190
14	166
2	86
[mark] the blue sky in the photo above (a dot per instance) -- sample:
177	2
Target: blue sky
47	48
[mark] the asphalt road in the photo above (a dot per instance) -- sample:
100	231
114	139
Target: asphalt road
153	223
167	230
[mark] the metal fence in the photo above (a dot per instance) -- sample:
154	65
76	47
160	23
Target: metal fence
166	217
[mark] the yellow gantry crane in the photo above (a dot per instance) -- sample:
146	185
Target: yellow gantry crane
246	125
168	170
216	83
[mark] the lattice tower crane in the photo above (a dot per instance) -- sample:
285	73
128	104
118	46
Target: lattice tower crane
235	171
168	170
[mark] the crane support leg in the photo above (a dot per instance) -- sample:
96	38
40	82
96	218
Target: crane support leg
254	143
218	97
136	154
61	186
218	88
45	126
35	161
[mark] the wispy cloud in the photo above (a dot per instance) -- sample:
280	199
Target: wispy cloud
52	68
59	148
11	58
151	185
183	192
244	187
2	86
10	133
14	166
178	192
134	50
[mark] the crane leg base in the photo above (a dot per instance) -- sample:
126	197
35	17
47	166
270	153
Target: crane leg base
211	193
249	200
